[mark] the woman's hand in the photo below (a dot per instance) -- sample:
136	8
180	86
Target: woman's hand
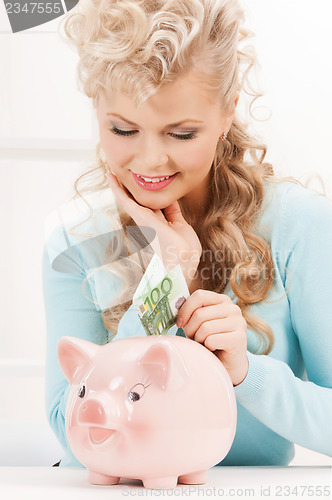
213	320
178	242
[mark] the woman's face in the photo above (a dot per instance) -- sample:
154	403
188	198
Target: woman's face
174	133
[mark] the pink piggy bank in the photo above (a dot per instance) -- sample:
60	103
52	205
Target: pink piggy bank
161	409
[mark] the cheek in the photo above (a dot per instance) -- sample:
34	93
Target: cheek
197	158
117	153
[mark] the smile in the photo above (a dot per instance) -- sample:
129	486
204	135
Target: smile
153	179
153	183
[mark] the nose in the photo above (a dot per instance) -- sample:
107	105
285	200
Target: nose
151	154
92	412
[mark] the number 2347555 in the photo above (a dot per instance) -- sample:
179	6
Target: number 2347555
34	7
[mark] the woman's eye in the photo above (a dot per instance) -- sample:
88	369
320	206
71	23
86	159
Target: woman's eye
185	137
126	133
122	132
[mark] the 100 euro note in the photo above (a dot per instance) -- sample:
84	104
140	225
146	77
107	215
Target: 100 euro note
159	296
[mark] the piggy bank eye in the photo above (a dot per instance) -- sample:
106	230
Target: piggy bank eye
136	392
81	392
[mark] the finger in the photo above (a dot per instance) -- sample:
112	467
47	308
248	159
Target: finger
173	213
204	314
211	327
221	341
199	298
141	215
159	214
121	193
117	186
112	179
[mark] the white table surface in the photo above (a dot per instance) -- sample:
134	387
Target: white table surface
61	483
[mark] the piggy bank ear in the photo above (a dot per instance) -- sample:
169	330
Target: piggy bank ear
165	364
74	353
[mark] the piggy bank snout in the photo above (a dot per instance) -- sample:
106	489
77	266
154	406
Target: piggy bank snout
92	412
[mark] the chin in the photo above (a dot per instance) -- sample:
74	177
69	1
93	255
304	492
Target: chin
152	204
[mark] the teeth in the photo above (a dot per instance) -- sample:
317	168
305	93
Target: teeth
153	180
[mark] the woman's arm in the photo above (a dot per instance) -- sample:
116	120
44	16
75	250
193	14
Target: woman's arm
298	410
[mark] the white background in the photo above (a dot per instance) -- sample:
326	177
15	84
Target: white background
48	134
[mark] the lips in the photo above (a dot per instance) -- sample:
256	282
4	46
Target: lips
98	435
153	186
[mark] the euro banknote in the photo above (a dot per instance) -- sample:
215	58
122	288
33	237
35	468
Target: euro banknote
159	296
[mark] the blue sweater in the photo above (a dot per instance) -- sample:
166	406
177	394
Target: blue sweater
286	397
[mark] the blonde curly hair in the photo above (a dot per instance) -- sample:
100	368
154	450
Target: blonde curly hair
137	46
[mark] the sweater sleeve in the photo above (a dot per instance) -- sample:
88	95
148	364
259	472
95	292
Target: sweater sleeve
68	312
300	410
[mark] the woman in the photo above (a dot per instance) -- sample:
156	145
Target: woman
165	78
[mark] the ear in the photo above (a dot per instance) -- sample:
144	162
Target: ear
237	97
232	112
166	364
74	353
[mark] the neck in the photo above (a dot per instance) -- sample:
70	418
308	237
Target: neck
195	204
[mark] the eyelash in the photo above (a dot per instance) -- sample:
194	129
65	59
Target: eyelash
128	133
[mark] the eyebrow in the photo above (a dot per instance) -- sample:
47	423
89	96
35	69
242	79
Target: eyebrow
170	125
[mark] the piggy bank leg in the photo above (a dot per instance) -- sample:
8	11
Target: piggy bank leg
96	478
199	477
158	483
